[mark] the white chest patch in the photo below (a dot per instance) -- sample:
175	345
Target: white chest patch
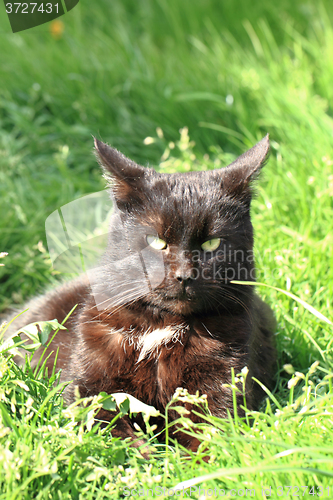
148	342
152	340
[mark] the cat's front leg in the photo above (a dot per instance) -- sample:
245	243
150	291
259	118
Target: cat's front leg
87	386
124	429
220	401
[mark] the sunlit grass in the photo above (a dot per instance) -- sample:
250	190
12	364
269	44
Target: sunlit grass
49	450
128	71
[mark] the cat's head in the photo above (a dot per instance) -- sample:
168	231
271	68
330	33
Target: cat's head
177	240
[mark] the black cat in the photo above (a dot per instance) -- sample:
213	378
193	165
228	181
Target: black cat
160	312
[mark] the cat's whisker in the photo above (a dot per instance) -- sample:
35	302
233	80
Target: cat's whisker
116	305
205	327
223	293
122	301
120	306
130	300
119	295
229	295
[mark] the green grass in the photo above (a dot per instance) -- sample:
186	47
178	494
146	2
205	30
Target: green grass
119	72
48	451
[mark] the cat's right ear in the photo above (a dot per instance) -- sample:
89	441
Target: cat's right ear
126	175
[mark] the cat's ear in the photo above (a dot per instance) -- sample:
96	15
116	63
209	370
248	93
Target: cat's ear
238	176
126	175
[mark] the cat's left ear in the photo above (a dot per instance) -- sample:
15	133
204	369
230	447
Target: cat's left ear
238	176
126	175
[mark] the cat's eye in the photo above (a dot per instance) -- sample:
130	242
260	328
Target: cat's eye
156	242
211	245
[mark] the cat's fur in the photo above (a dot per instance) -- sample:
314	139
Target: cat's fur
191	327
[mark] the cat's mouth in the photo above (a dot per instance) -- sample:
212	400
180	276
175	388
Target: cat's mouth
182	303
184	306
183	296
177	300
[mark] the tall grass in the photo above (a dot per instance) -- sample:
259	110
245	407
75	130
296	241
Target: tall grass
230	72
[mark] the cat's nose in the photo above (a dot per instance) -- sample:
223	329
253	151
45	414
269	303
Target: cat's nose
184	279
184	272
184	275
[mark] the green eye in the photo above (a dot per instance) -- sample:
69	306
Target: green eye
211	245
156	242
